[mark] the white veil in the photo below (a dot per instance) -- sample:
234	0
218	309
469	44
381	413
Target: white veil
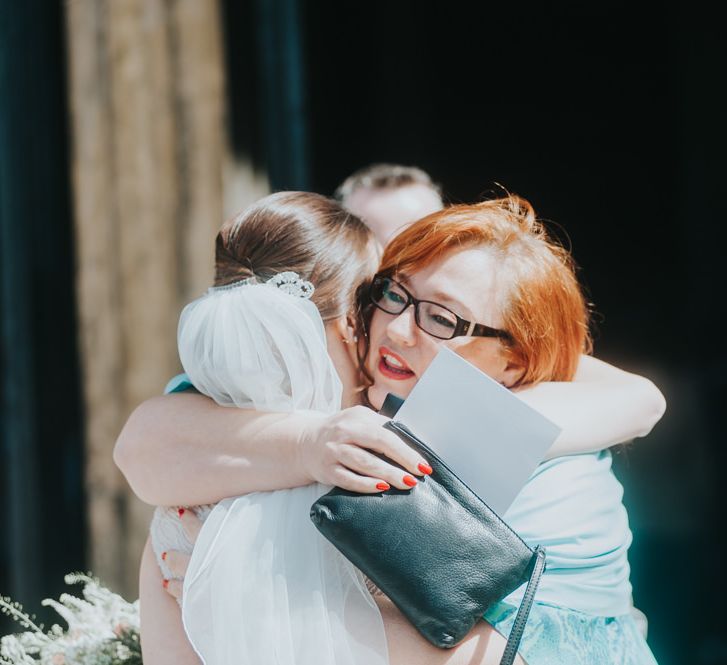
263	585
257	346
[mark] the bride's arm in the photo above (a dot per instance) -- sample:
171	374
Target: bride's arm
184	450
601	407
163	640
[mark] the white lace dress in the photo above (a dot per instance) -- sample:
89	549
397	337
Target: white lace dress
167	533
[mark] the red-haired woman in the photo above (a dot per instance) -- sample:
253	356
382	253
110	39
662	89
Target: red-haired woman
490	270
486	281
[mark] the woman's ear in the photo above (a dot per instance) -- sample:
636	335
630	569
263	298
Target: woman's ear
345	328
512	374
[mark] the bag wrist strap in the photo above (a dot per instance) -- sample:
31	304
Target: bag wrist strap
518	627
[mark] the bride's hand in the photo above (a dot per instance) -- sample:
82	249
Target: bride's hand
344	450
178	562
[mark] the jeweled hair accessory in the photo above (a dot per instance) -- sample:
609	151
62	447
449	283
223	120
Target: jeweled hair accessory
288	282
291	283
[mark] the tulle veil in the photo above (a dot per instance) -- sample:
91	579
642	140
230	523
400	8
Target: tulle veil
263	586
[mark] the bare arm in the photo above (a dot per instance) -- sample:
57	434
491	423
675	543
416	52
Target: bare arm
163	640
601	407
183	449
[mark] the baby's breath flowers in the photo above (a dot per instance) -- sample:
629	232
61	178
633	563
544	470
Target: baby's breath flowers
103	629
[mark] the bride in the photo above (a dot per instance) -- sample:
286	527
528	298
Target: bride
261	459
257	340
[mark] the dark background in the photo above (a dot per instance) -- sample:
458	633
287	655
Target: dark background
43	531
612	124
610	121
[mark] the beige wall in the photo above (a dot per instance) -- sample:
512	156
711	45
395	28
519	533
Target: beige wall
152	181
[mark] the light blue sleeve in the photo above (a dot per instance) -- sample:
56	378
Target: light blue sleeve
178	384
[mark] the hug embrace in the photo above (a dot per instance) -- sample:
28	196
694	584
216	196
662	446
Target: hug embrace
289	356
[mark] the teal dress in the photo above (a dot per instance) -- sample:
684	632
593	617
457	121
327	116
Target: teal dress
583	614
178	384
561	636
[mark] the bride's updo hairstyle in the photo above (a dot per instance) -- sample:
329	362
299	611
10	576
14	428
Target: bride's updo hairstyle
541	302
305	233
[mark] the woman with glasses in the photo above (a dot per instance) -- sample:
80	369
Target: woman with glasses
486	281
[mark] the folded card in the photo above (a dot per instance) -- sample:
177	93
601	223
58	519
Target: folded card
489	437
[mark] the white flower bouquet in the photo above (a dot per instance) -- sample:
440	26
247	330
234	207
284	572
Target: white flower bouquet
103	629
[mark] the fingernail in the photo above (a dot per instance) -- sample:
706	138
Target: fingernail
165	583
410	480
425	469
383	486
181	511
164	556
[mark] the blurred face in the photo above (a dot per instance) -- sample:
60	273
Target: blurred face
388	211
466	283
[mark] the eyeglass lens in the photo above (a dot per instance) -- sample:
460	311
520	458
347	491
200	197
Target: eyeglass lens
432	318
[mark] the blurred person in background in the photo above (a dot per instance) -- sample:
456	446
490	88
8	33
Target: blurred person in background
389	197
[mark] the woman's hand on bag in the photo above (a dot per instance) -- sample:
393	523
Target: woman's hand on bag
343	450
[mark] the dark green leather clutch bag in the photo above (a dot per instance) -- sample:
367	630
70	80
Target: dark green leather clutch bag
437	551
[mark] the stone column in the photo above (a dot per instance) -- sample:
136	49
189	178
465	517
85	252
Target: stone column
149	150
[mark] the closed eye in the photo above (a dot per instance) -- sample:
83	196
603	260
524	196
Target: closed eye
442	320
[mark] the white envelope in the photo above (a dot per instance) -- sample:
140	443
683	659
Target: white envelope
489	437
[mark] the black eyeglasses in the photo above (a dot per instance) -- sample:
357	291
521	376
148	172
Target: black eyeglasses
434	319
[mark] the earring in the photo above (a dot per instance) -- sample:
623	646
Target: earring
349	341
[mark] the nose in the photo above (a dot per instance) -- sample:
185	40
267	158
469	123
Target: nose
402	328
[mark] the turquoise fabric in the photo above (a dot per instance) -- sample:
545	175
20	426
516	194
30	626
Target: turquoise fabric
178	384
560	636
572	506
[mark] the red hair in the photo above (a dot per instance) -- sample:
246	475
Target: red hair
542	304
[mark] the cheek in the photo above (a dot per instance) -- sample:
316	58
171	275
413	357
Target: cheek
378	323
377	331
485	354
428	348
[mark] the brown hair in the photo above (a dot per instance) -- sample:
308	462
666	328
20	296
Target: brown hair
543	307
306	233
385	176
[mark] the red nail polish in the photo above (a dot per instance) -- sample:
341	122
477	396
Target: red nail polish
181	511
425	469
165	583
164	556
383	486
410	480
